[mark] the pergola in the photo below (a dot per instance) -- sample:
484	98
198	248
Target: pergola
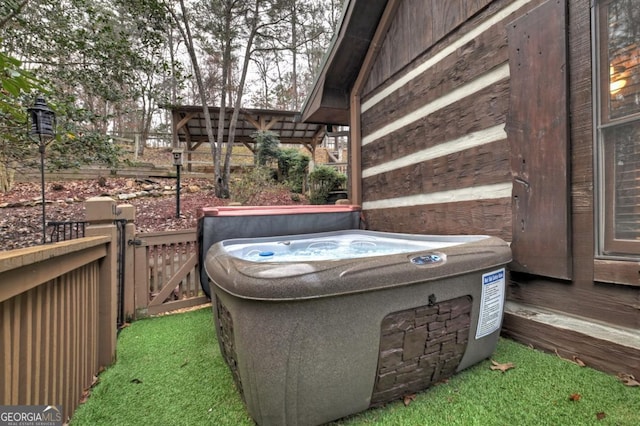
189	127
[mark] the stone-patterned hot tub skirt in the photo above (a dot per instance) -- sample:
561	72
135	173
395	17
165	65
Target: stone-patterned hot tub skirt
419	347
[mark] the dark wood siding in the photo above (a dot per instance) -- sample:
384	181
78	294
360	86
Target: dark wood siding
476	57
432	85
475	217
419	25
537	127
485	109
481	165
609	303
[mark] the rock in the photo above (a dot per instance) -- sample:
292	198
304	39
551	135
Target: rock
193	188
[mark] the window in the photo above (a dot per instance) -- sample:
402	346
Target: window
618	127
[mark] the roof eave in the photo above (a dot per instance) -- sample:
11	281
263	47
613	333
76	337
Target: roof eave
328	101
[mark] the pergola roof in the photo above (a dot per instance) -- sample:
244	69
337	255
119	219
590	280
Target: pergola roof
189	126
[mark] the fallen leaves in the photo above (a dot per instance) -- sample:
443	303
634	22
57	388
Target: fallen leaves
502	367
408	399
86	393
575	397
601	415
628	380
578	361
574	359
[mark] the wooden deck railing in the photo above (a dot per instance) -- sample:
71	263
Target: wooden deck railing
59	307
53	326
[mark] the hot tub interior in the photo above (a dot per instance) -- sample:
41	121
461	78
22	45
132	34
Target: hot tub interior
343	245
221	223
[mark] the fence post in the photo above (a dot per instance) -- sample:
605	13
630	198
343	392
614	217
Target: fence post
101	212
128	213
141	281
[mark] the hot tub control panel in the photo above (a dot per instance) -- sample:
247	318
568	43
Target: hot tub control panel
427	259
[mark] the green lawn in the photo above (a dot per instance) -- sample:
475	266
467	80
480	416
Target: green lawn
169	372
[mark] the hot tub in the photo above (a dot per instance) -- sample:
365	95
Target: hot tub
316	327
225	222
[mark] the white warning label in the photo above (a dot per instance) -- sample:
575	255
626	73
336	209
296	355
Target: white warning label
491	302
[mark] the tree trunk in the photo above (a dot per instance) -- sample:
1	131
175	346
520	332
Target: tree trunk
188	39
222	179
294	54
238	104
7	175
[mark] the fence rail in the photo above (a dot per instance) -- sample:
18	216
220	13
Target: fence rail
340	167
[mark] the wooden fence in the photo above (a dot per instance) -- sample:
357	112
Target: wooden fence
56	328
61	303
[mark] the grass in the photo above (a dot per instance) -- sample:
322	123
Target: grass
169	372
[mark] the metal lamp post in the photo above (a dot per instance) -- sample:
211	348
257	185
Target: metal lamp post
177	161
43	125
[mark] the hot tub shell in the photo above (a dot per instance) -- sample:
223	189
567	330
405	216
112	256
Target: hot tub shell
310	342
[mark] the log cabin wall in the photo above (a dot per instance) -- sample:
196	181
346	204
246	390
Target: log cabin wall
439	147
435	154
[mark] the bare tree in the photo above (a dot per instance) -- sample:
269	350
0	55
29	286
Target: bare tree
182	23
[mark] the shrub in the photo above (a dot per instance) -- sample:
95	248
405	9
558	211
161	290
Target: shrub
250	184
323	180
292	168
268	147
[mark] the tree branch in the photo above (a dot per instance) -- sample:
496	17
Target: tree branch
13	13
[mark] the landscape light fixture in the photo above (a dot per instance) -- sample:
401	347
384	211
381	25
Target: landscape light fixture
43	126
177	161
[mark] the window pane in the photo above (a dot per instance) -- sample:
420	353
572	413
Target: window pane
623	46
625	141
